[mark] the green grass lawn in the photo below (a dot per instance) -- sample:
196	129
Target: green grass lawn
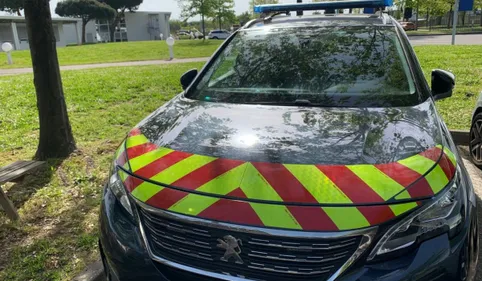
119	52
57	236
466	63
436	31
441	31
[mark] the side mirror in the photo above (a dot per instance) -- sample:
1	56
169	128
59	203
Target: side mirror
187	78
443	83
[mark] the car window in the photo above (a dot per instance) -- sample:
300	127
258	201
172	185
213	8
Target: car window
323	66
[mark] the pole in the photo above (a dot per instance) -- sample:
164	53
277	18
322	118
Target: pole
9	58
455	19
299	13
171	53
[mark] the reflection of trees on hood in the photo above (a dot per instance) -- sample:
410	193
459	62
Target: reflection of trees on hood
309	135
167	127
370	135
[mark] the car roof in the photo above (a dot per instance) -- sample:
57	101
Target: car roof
325	20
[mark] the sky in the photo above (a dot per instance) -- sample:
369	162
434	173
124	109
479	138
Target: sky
171	6
241	6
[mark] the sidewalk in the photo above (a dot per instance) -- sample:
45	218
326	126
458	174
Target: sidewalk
17	71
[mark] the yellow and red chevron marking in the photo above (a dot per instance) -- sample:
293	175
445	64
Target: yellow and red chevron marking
417	177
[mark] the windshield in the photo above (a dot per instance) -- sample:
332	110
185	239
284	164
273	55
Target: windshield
324	66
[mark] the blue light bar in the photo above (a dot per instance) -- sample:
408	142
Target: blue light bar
264	9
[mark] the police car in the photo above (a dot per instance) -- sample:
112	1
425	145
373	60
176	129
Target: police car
307	148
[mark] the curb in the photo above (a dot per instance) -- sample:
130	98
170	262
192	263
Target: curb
442	34
460	137
93	272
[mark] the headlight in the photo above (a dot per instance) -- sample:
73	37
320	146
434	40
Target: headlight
445	215
117	187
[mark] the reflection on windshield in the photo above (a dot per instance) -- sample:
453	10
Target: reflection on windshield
325	66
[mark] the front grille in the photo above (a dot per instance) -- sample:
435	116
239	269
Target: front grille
264	257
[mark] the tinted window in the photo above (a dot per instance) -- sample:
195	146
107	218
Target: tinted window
321	66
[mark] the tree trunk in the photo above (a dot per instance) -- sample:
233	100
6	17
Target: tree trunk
203	27
463	18
56	139
114	24
416	18
430	24
450	17
428	18
84	23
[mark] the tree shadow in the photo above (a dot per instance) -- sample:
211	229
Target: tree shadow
23	189
64	245
57	234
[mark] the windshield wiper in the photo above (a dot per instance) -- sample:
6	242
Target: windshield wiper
303	102
298	102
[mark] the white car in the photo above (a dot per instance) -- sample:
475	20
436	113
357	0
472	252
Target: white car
219	34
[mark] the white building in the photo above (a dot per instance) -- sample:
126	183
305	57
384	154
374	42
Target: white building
136	26
13	29
142	26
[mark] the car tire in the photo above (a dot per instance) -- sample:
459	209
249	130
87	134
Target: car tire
215	38
475	145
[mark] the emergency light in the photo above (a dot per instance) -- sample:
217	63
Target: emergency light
264	9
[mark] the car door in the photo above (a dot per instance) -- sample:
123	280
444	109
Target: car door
224	34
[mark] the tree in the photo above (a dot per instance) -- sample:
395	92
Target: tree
11	6
451	12
176	25
478	5
245	17
223	12
56	139
431	8
253	3
87	10
120	6
191	8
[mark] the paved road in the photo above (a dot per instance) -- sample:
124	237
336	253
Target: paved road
476	176
462	39
16	71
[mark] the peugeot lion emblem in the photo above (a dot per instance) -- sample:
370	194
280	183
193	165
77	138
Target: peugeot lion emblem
232	247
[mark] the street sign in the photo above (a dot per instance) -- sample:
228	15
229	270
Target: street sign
466	5
408	13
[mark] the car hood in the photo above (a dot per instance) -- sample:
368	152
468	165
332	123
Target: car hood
189	155
294	135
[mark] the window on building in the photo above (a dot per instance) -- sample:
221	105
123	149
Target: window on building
6	33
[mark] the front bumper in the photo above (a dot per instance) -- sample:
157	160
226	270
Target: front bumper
125	255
